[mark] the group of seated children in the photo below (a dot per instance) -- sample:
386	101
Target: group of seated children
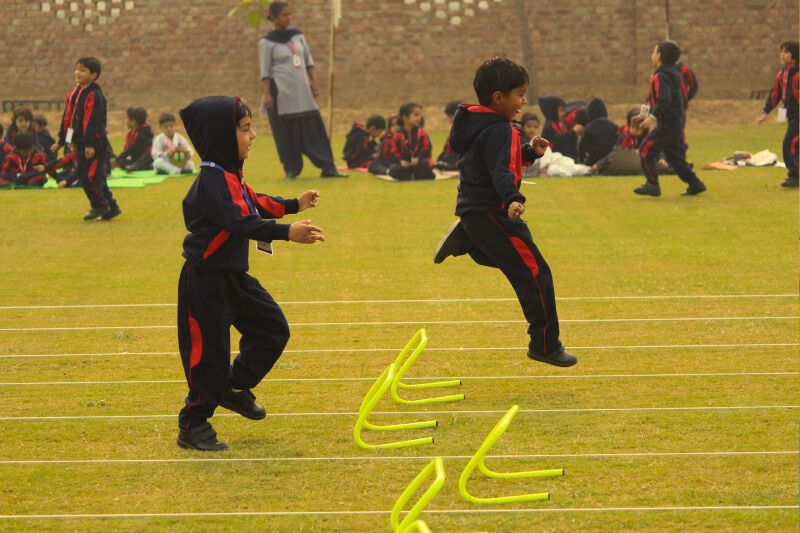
398	147
26	157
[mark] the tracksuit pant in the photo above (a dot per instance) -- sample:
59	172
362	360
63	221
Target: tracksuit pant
507	244
790	148
423	171
91	174
666	138
298	135
209	303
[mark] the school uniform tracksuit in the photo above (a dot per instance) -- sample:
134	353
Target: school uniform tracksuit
85	113
136	155
562	137
359	147
667	105
18	170
786	90
222	214
406	145
490	170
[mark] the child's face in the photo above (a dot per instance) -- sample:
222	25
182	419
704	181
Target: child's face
509	105
655	57
36	127
22	123
244	137
393	127
786	57
450	118
531	128
374	132
168	128
83	75
413	119
132	124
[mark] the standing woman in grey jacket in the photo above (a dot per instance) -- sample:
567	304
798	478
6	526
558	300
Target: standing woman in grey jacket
289	88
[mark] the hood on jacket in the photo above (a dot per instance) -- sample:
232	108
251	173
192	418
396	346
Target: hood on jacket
549	106
211	125
596	109
468	122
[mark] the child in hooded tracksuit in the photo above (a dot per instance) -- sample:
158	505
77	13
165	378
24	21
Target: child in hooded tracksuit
563	137
666	123
786	92
490	203
222	214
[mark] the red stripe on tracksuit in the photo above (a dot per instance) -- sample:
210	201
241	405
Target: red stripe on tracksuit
196	353
216	243
235	188
515	157
646	148
88	107
274	208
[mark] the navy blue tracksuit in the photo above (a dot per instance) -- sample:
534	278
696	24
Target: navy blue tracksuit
490	173
668	105
222	214
786	90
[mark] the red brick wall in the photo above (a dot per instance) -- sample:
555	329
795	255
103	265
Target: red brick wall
162	53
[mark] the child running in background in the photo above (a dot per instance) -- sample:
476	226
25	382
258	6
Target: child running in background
786	92
171	151
448	159
138	142
490	203
222	214
361	146
26	165
411	146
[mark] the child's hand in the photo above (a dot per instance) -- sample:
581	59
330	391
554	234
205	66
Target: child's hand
663	165
515	210
38	168
762	119
308	199
89	152
539	145
414	161
55	148
578	129
269	103
62	184
305	233
404	163
648	124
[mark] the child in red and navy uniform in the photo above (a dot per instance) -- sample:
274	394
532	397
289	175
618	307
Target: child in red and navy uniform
360	147
666	122
563	137
384	158
786	92
490	203
5	147
21	122
448	159
137	153
222	214
83	125
411	147
25	166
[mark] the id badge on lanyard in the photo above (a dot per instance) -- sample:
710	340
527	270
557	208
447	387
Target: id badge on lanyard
295	58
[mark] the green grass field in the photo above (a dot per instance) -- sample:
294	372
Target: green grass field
682	414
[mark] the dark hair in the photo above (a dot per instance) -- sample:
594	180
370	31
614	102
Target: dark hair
92	64
41	120
498	74
581	116
242	109
275	8
23	141
792	48
1	130
377	122
631	113
670	52
527	117
22	112
406	110
139	114
392	120
451	107
166	117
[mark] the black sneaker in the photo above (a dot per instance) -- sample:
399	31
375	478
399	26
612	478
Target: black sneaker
648	189
694	189
790	183
202	438
561	357
111	213
95	213
455	242
333	173
244	403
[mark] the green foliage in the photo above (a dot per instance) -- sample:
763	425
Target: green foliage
254	11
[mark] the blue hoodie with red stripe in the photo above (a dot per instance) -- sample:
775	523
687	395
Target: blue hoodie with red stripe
492	157
221	211
85	113
666	99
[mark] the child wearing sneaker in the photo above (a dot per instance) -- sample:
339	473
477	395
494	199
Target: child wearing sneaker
222	214
490	203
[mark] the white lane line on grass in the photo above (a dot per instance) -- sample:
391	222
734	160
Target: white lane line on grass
428	378
454	349
397	458
428	300
386	513
438	322
424	413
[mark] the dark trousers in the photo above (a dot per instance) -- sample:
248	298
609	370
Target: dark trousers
298	135
91	174
507	244
790	149
668	139
209	303
422	171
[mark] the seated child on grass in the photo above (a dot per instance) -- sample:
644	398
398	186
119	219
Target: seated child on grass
63	170
5	147
411	147
21	122
25	166
563	138
383	153
448	159
600	134
138	142
172	153
361	146
43	137
530	125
